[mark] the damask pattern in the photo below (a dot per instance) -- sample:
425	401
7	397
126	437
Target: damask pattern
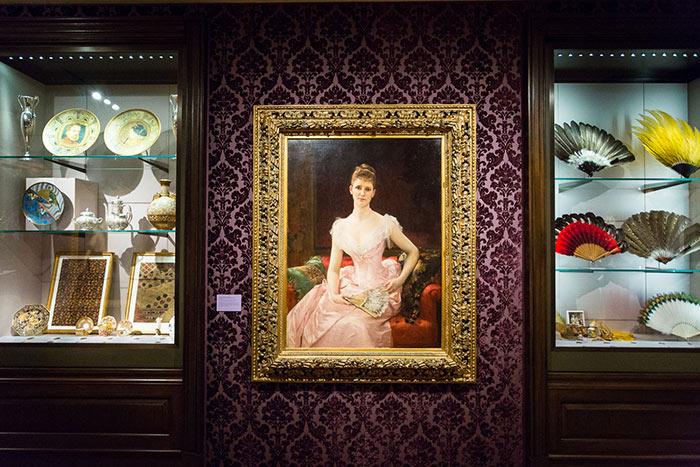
382	53
448	53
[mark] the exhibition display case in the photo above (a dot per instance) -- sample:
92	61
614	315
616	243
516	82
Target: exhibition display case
88	213
101	187
614	225
626	199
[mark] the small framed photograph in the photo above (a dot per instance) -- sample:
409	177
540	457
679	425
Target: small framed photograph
79	287
575	317
150	304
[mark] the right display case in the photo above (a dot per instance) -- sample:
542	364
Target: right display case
614	241
626	154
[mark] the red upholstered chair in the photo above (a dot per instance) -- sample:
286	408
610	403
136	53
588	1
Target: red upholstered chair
421	332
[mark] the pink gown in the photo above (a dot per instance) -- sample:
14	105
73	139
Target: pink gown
316	321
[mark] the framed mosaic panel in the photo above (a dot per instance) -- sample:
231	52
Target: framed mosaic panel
151	291
79	287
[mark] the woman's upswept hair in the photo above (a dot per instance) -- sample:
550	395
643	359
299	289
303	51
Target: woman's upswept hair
365	172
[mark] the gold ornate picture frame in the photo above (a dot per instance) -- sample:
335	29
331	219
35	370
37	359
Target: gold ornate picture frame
425	160
80	284
151	291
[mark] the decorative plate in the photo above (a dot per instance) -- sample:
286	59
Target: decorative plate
30	320
132	132
42	203
71	132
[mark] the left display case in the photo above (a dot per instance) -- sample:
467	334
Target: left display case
88	184
102	186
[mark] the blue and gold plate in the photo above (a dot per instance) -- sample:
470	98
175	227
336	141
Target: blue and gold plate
42	203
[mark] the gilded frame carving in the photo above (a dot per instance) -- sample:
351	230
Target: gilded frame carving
455	360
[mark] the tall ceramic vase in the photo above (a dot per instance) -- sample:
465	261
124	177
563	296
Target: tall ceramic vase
27	120
161	211
173	113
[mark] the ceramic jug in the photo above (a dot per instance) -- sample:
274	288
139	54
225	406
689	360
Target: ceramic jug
87	221
118	214
161	211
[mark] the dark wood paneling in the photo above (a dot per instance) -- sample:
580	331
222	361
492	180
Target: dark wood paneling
75	411
93	415
607	417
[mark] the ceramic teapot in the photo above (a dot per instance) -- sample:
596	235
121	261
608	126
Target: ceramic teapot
87	221
118	214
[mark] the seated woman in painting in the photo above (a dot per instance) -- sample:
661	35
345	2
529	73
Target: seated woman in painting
353	306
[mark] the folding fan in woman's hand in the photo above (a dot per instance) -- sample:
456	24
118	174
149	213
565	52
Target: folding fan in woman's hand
371	301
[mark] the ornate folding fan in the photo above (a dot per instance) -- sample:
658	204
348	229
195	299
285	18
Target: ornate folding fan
371	301
661	235
586	236
672	142
674	313
588	147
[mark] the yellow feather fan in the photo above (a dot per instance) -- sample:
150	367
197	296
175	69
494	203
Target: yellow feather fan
672	142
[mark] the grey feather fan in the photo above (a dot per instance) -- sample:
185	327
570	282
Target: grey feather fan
661	235
588	147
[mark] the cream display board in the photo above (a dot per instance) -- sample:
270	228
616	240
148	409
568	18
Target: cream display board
151	300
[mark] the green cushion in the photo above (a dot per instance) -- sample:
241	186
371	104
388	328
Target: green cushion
304	278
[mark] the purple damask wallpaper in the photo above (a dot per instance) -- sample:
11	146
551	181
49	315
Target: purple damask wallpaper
388	53
383	53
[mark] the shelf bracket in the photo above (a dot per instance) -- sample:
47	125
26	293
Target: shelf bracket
651	187
563	187
155	164
79	168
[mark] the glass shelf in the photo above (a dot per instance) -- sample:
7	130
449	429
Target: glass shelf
72	339
646	270
69	161
645	185
80	232
92	156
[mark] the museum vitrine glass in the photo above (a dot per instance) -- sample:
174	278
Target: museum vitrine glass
88	176
626	198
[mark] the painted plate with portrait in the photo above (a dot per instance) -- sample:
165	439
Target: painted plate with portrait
42	203
71	132
132	132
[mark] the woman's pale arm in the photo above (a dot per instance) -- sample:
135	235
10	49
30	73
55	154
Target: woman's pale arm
402	241
333	276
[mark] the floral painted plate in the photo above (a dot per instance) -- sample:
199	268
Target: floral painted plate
42	203
30	320
132	132
71	132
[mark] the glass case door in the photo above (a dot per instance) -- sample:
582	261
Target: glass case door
88	182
